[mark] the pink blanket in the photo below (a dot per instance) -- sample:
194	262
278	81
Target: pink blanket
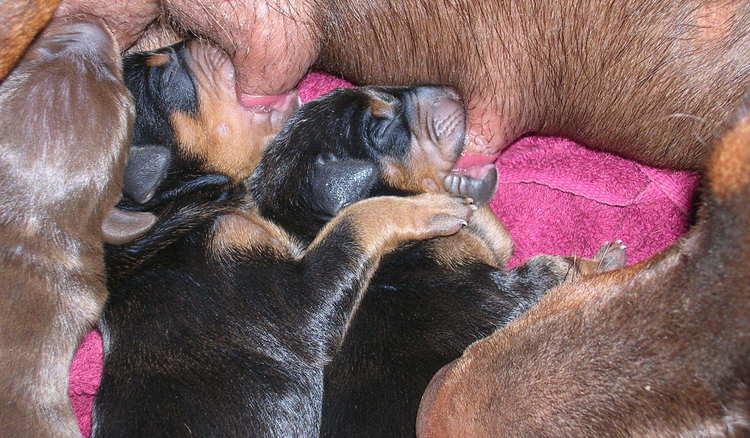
554	196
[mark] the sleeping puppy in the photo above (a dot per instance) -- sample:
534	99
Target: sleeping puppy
429	300
219	322
65	120
659	349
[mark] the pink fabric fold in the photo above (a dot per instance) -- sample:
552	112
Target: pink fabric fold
554	196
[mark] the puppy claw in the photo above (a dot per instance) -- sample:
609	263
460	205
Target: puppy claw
445	214
611	256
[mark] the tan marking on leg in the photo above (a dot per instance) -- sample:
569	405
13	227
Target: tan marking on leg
729	167
384	222
484	240
243	232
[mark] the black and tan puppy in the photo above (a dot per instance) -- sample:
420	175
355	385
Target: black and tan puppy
219	323
427	301
65	119
659	349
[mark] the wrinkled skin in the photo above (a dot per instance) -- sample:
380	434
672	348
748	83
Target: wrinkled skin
631	78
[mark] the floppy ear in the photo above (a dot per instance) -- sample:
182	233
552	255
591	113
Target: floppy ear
121	226
336	182
147	167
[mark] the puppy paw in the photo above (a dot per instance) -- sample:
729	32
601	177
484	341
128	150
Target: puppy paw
480	185
610	256
437	214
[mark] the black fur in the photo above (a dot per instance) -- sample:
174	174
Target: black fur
417	314
209	344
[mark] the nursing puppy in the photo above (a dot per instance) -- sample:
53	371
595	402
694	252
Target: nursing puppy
219	322
659	349
429	300
65	120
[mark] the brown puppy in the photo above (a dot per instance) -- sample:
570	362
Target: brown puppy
654	350
65	117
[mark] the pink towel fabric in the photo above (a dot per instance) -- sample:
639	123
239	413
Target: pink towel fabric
554	196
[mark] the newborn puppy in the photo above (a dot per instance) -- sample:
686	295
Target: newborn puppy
659	349
219	322
428	300
65	119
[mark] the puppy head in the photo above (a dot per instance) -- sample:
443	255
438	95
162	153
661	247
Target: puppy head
189	123
355	143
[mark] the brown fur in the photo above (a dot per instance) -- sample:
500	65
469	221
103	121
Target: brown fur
659	349
223	135
65	118
648	79
22	20
485	239
246	231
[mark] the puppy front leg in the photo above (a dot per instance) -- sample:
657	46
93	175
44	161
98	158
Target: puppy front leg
338	264
530	281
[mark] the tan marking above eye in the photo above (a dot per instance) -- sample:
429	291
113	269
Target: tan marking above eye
381	109
157	60
382	105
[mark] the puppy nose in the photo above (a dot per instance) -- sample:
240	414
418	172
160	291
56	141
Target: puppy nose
444	104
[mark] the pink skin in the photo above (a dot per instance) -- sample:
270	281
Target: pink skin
263	84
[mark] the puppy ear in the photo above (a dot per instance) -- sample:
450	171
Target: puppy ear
337	182
121	226
147	167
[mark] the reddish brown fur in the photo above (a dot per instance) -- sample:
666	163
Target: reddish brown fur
647	79
660	349
65	118
22	20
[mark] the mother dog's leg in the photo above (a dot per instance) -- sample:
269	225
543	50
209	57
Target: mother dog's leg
65	119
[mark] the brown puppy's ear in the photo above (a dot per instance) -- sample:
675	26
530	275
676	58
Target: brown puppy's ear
147	167
121	226
336	182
